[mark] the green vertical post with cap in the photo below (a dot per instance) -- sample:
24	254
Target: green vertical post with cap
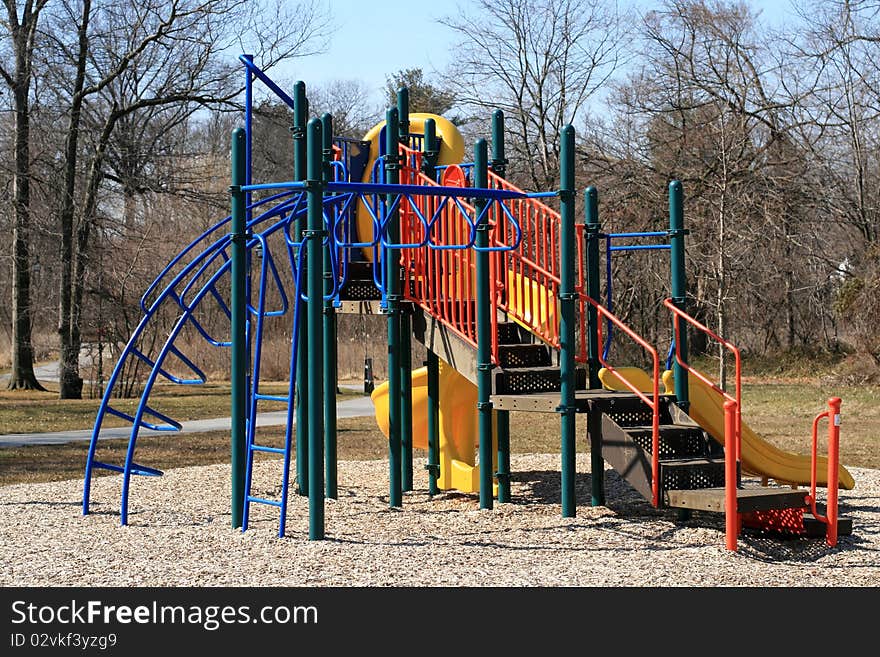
314	237
238	435
502	418
567	322
484	336
300	112
391	263
429	162
406	423
594	418
679	286
329	327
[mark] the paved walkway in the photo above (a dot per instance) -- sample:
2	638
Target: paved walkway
357	407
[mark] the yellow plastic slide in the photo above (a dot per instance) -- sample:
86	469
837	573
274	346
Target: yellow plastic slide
459	425
759	457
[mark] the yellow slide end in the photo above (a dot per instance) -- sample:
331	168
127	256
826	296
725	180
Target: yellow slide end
759	457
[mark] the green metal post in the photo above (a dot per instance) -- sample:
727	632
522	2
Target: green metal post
679	286
314	236
330	373
431	149
433	466
594	419
429	161
403	115
406	420
300	112
406	428
502	418
567	323
484	336
502	425
392	282
238	437
499	161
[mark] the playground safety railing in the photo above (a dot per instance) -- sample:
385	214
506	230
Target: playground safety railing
653	402
830	517
442	278
732	415
527	280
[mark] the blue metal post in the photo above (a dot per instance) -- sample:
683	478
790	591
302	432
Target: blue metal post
329	327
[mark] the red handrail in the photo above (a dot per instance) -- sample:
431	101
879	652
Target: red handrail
653	402
678	313
830	519
732	416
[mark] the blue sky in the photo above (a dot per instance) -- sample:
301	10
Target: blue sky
374	38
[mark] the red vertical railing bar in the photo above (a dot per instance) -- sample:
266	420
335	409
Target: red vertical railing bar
833	476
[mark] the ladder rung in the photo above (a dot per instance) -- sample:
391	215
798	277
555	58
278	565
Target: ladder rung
263	448
261	500
135	469
278	398
173	425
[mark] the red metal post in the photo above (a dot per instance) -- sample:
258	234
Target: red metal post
833	468
731	522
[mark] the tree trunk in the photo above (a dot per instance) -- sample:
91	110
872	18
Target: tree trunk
70	386
22	376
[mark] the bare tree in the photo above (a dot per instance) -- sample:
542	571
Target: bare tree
541	61
142	68
20	32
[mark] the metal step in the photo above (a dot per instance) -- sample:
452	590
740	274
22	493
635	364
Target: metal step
532	379
628	410
677	441
691	474
523	355
747	499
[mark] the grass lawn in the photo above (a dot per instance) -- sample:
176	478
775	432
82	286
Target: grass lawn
39	412
780	412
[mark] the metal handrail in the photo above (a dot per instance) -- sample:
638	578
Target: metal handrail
653	402
732	417
830	517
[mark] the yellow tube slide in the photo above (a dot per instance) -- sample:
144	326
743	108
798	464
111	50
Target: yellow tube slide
459	425
759	457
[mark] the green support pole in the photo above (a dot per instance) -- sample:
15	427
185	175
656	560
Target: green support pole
594	419
314	236
403	115
502	424
679	286
406	427
431	149
238	437
429	161
392	282
484	336
567	322
502	418
406	421
330	373
433	466
300	112
499	161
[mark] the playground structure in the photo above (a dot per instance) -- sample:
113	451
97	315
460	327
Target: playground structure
502	290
